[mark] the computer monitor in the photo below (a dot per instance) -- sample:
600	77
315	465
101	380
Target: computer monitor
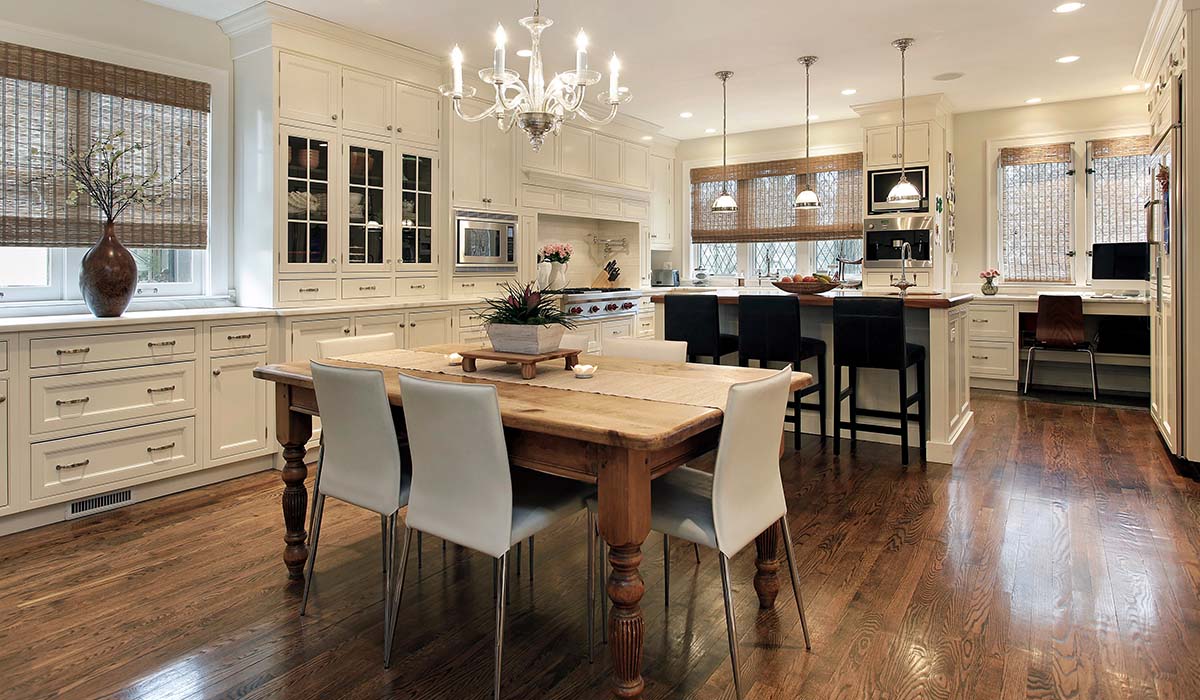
1121	261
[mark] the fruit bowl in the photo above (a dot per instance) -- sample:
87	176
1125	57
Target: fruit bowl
806	287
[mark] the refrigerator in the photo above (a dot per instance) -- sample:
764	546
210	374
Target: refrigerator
1165	232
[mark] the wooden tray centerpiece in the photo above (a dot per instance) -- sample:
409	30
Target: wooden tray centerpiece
528	363
525	325
818	287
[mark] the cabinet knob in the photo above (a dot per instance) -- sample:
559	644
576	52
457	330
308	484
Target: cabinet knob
333	117
389	127
346	331
399	130
412	325
216	372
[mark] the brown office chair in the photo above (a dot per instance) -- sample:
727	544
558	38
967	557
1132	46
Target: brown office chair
1060	327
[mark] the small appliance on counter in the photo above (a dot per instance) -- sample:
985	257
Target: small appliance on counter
666	277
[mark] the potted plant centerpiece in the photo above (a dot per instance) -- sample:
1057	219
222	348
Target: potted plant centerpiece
525	320
989	277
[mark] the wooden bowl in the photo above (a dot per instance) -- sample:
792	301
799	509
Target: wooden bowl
806	287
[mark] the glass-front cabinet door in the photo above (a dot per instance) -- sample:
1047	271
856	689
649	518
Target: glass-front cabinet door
309	161
368	187
418	221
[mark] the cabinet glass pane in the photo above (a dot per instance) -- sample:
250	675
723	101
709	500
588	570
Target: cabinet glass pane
356	205
318	201
425	175
358	165
425	245
424	210
365	169
408	245
307	202
408	209
297	242
416	207
318	243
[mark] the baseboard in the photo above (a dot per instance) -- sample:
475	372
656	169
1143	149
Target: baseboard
935	452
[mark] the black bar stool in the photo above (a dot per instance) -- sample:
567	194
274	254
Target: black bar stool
769	331
695	319
869	334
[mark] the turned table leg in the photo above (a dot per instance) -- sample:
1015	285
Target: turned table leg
293	431
624	502
766	580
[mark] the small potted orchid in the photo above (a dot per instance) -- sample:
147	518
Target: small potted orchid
552	265
989	277
525	320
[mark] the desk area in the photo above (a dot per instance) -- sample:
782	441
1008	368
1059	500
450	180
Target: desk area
1000	323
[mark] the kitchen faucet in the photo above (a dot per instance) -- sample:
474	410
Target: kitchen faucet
770	275
904	283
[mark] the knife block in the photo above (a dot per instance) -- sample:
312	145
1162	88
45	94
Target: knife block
601	281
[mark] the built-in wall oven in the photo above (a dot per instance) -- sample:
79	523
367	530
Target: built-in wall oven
881	182
884	239
485	242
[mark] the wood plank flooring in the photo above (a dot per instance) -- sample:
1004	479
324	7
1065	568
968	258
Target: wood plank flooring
1060	558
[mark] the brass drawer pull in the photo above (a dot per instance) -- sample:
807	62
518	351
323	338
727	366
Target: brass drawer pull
416	286
73	465
72	402
161	343
160	389
979	357
160	448
239	336
367	289
72	351
980	320
304	290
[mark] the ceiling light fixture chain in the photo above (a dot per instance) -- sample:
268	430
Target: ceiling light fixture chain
536	106
807	197
724	203
904	191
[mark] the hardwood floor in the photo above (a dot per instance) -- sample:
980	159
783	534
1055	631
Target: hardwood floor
1060	558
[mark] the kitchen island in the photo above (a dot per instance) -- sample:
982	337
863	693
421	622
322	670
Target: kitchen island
939	322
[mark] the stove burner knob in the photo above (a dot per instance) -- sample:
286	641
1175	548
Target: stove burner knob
576	309
594	309
627	305
610	307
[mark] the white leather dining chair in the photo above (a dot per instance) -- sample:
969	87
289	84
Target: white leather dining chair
354	345
728	509
360	462
500	508
645	349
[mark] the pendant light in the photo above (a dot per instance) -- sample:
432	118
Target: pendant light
724	203
904	191
807	197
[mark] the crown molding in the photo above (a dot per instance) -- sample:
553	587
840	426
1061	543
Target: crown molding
1165	23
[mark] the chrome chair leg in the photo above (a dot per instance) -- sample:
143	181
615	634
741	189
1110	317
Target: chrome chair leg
791	560
500	626
696	549
312	509
318	511
420	548
399	595
1095	379
591	585
389	545
1029	369
383	553
731	626
666	571
531	557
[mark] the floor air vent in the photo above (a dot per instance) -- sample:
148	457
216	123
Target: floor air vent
97	504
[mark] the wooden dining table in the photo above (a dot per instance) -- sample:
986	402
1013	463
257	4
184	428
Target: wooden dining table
618	443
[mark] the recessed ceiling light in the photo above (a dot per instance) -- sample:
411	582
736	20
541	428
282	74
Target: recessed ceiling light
1069	7
685	115
524	53
647	138
946	77
849	91
710	130
1033	100
1136	87
1067	59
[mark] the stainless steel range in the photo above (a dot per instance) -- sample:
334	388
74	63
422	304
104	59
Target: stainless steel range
594	302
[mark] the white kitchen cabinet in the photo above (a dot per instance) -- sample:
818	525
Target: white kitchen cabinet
883	145
481	164
366	102
418	221
418	114
662	216
430	328
3	442
576	151
545	158
366	224
308	160
608	159
395	325
308	89
238	410
306	335
636	165
616	328
498	164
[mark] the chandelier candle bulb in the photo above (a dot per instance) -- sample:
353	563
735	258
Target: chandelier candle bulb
614	71
581	44
498	62
456	60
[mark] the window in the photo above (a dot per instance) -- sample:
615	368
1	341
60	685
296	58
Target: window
825	255
720	259
51	103
1120	186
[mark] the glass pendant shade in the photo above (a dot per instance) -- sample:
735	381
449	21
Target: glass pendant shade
807	199
904	193
724	203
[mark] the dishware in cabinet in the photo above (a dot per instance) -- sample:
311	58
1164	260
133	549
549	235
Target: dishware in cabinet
418	220
308	162
366	226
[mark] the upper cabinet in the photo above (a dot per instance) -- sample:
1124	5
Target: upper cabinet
608	159
308	161
481	169
884	145
418	114
308	89
366	102
636	171
577	155
366	225
582	153
662	216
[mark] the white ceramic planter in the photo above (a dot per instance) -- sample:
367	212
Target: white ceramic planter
525	340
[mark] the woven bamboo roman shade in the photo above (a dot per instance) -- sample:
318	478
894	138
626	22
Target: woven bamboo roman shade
1036	155
50	102
765	193
1036	209
1120	147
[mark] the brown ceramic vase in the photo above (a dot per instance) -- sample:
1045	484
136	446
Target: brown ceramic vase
108	275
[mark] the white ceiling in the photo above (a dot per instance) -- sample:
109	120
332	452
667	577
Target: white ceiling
671	48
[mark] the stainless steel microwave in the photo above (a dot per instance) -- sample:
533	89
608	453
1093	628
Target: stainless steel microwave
485	242
881	182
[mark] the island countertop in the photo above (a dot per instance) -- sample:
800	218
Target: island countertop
730	295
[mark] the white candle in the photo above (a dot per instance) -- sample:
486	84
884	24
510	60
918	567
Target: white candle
456	60
454	359
614	70
498	61
581	42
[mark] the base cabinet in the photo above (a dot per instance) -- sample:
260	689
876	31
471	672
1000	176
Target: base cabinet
430	328
4	477
238	410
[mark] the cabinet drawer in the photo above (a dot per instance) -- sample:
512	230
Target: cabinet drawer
577	202
307	290
3	355
592	332
84	350
616	328
83	399
645	326
992	359
645	305
993	320
416	287
536	197
76	464
243	335
469	318
607	205
634	209
476	286
367	288
881	280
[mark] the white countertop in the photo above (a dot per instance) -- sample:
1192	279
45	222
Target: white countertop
1087	297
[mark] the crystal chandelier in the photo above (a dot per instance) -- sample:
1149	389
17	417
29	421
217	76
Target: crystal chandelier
536	107
724	203
904	192
807	197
